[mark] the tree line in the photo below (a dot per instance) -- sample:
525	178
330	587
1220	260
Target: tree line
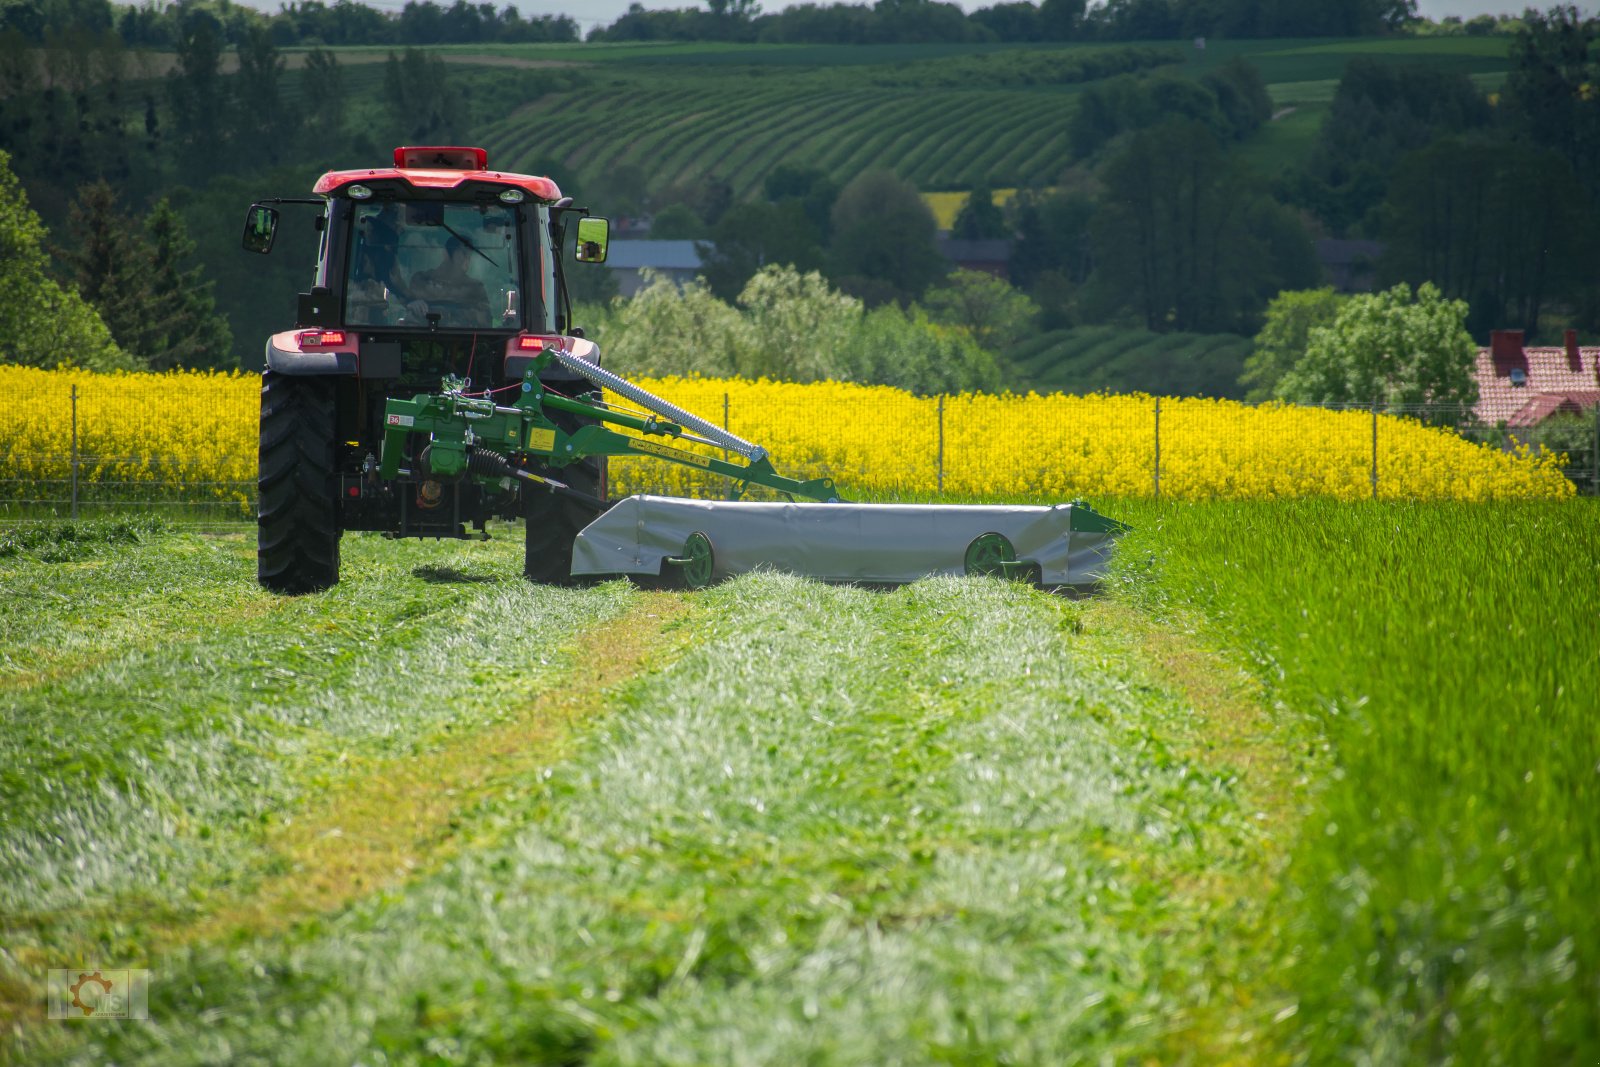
297	23
928	21
421	22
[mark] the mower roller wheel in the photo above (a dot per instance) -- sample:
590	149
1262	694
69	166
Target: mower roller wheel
988	553
698	562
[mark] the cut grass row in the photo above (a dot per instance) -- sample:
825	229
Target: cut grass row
161	710
943	821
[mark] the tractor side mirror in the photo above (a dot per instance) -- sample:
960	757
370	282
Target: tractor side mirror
260	227
593	236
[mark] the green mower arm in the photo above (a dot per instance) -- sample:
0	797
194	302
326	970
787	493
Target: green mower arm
460	429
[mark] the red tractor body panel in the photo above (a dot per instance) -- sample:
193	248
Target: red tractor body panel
451	167
538	188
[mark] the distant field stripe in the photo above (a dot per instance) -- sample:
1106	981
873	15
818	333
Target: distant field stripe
992	141
858	136
1049	159
638	119
699	154
757	155
1025	355
679	153
1023	150
672	134
924	127
820	145
511	140
550	125
612	140
821	115
818	112
690	133
975	107
983	136
878	132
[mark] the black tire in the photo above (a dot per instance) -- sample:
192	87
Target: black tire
552	521
297	549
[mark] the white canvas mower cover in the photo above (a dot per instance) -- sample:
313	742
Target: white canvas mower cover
1064	545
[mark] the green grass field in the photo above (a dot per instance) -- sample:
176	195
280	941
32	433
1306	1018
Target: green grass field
1309	781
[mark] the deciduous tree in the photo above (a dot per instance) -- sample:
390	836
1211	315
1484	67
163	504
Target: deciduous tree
883	236
1184	243
991	312
1392	348
1285	333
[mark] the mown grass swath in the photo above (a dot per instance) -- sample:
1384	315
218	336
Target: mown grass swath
1442	896
946	821
161	707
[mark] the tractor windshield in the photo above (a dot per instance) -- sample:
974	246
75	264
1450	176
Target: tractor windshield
432	263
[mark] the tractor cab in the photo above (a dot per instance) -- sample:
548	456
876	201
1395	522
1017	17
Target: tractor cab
416	258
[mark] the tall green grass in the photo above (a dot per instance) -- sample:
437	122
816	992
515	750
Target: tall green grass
1444	898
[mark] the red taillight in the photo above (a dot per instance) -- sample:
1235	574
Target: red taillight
320	338
530	344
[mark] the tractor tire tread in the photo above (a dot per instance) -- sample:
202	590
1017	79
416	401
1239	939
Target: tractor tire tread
298	520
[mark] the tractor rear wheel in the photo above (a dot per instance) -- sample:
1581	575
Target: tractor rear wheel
297	549
552	521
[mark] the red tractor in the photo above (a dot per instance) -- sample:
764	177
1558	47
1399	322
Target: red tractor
435	267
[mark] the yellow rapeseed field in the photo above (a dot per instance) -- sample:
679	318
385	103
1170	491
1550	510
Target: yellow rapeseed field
181	436
877	440
192	436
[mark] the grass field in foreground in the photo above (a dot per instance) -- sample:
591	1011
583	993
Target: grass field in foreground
955	822
1441	902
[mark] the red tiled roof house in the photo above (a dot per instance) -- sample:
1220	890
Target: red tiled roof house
1521	387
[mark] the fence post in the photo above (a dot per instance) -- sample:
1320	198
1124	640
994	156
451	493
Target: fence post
1156	474
941	442
74	453
727	486
1374	449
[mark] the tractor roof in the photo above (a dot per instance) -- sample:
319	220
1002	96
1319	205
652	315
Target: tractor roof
440	167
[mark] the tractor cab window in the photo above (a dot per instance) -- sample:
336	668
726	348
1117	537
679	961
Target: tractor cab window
430	263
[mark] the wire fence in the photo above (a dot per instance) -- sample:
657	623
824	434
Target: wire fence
189	455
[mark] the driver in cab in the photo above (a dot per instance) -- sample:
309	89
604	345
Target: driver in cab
449	290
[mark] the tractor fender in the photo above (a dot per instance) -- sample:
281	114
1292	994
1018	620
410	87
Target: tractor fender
284	355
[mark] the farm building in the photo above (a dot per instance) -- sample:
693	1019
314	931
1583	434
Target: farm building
678	260
988	256
1521	386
